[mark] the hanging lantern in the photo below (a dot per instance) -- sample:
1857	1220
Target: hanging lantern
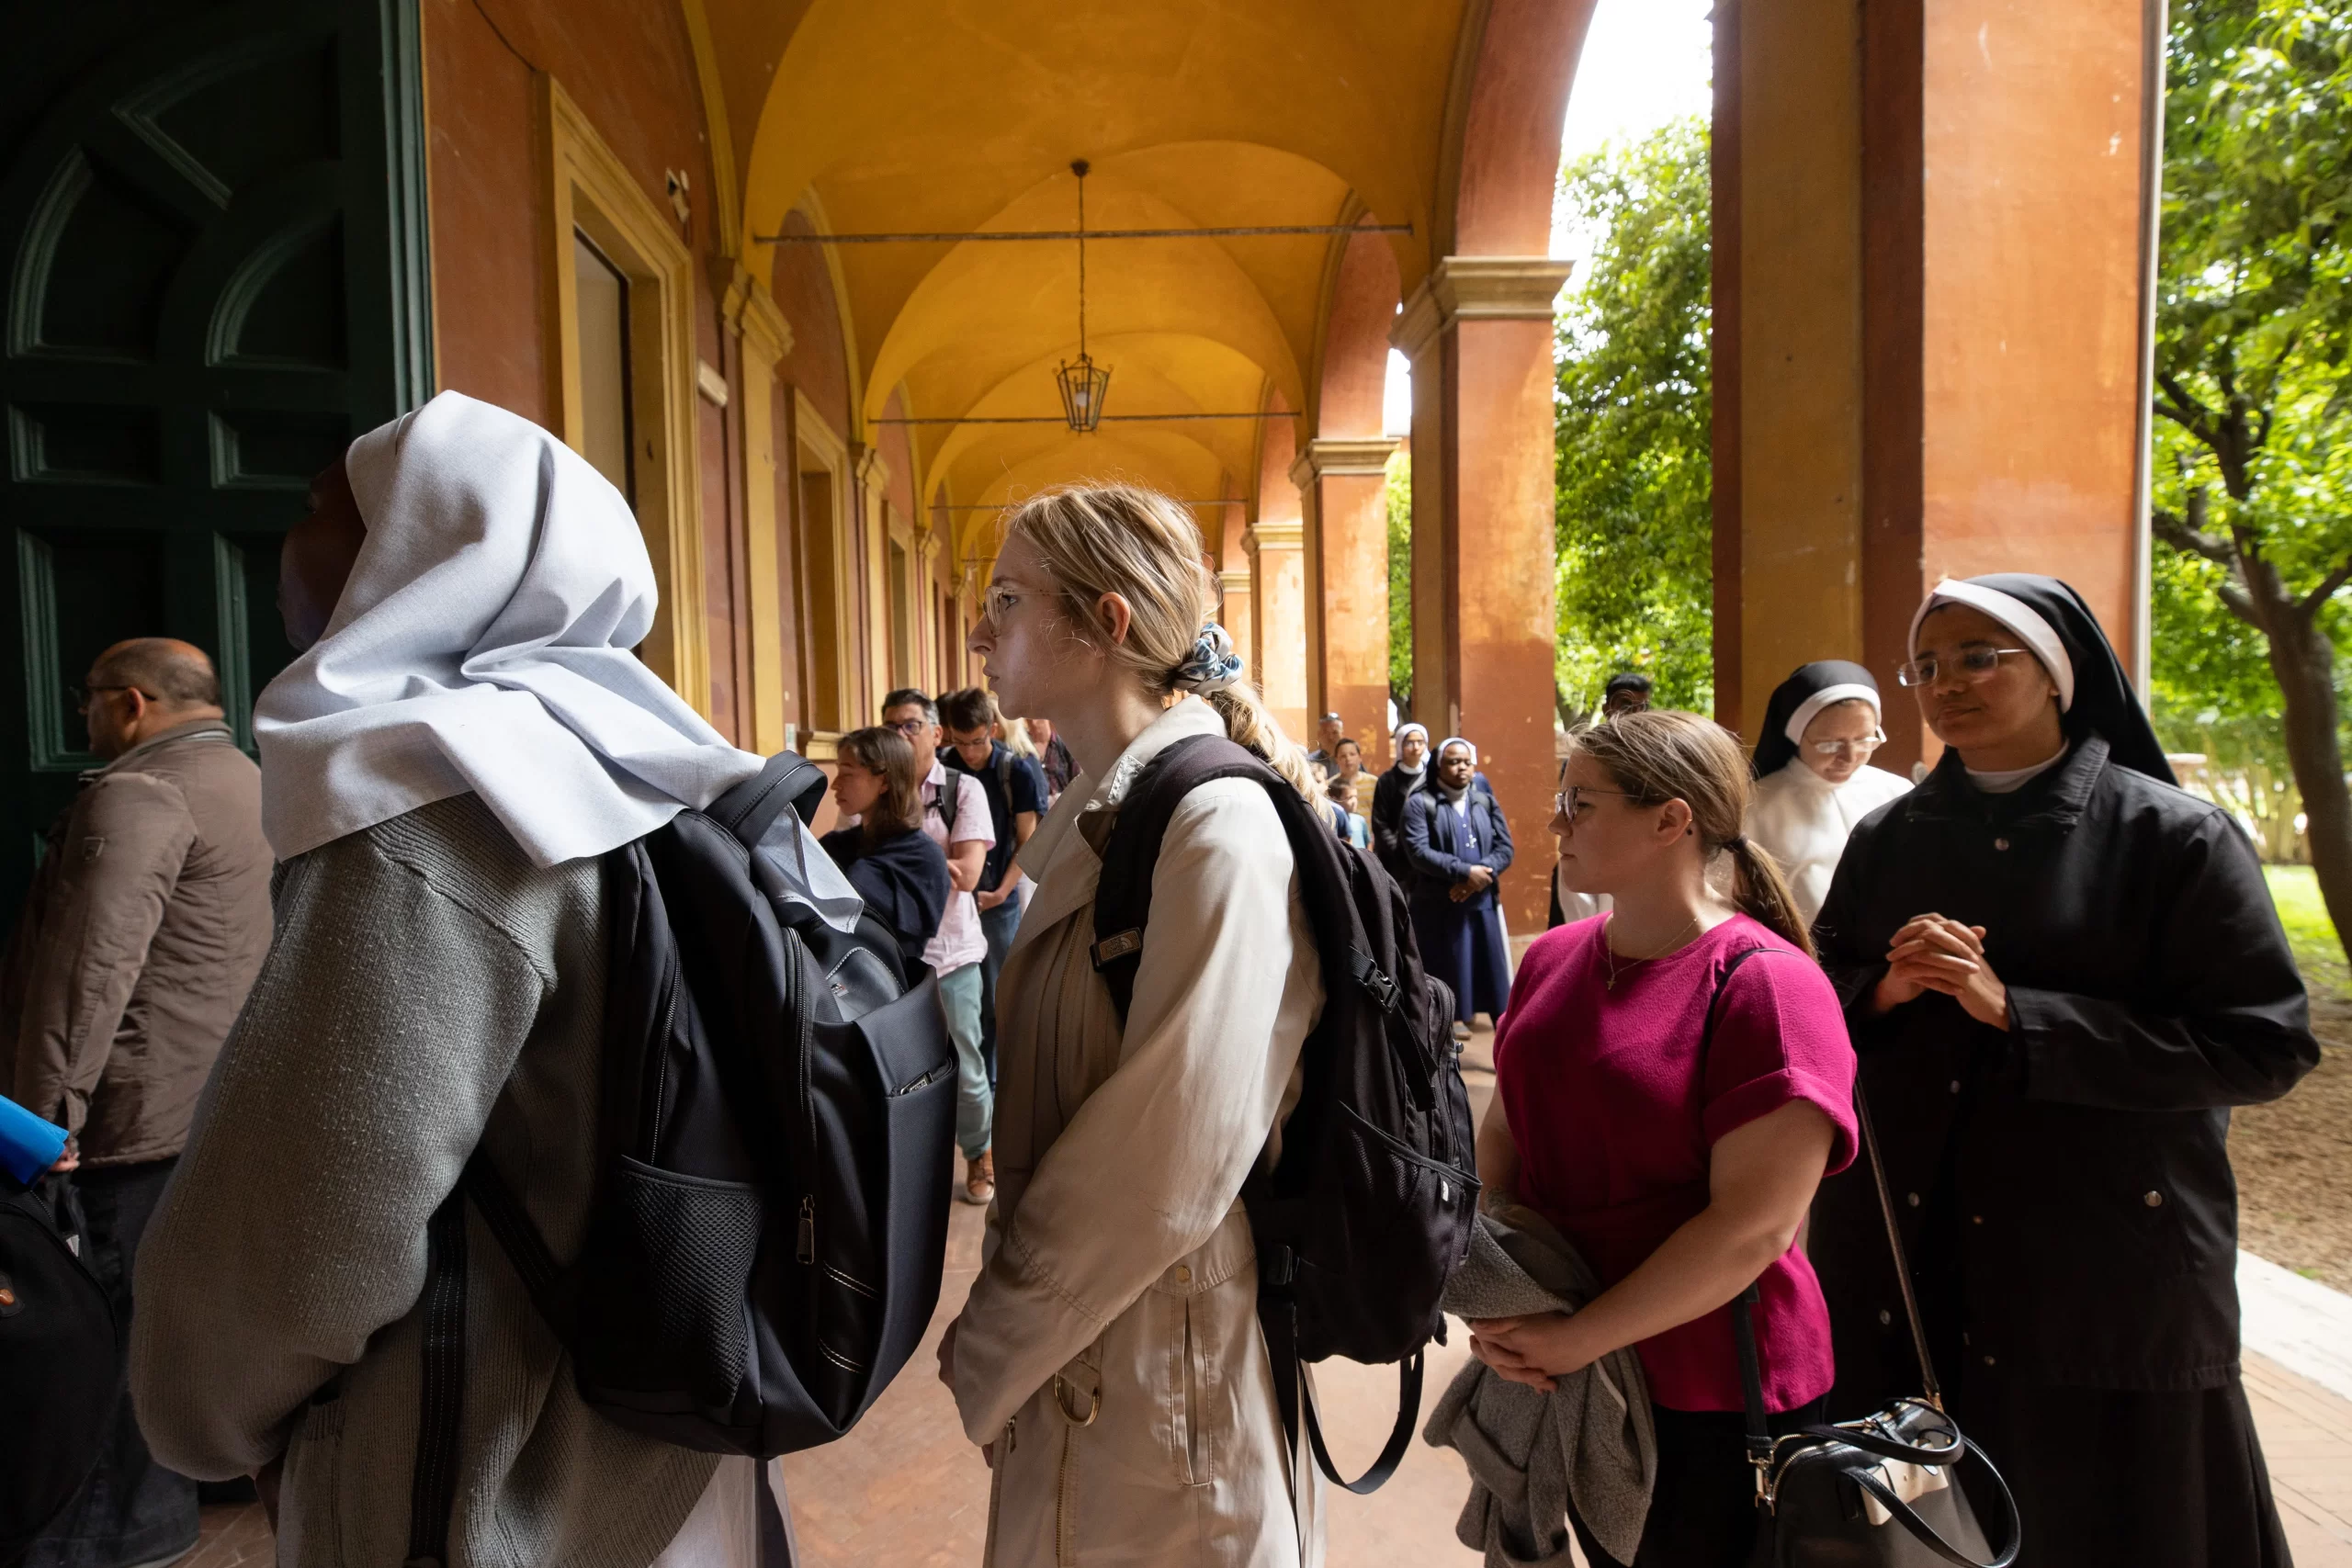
1083	383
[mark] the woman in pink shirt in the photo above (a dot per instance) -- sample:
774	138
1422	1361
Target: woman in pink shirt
1680	1160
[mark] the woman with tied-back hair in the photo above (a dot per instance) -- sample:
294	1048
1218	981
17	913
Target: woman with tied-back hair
1680	1166
1109	1359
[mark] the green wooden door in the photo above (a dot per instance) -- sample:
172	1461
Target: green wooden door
213	220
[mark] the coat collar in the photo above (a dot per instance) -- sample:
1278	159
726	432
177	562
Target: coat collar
2056	799
1066	864
215	729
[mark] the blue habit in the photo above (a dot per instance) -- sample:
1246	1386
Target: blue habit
1461	942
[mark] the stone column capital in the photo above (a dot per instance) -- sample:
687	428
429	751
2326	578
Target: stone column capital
1324	457
1235	582
1287	533
763	321
1477	288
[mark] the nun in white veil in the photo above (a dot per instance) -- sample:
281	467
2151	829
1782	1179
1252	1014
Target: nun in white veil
1814	779
466	736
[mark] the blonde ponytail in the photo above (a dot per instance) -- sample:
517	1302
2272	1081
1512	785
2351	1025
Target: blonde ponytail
1123	539
1662	755
1762	894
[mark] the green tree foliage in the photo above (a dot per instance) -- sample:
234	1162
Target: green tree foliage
2253	502
1400	496
1635	398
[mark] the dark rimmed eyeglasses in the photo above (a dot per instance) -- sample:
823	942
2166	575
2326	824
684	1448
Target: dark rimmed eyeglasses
82	694
910	728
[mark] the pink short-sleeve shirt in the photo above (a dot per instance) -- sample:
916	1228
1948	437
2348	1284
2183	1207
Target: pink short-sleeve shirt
1615	1114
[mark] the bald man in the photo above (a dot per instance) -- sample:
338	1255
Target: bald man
145	926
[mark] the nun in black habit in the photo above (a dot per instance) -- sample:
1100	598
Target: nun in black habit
2061	972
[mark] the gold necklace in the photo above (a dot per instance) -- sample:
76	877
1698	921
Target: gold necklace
1609	953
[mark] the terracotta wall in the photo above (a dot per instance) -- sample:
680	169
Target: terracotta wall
630	69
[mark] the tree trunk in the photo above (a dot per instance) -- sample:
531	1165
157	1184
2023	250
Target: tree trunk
2304	662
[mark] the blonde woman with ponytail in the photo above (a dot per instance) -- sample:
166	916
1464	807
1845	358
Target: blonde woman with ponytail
1679	1157
1108	1361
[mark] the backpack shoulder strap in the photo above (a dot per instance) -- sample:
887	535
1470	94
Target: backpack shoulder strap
1123	894
752	808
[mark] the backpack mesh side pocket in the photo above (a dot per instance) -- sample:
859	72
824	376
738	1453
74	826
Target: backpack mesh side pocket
663	1292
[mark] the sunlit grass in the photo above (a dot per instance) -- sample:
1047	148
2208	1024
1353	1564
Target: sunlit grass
2309	930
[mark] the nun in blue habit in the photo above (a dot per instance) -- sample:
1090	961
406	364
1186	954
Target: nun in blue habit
1456	848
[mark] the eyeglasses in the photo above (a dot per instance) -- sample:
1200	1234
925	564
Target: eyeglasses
82	694
910	728
1866	745
1575	797
1976	666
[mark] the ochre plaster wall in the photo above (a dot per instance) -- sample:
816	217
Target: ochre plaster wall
1800	367
2032	241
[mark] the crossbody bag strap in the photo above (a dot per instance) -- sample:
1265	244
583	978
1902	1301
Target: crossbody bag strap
1743	1311
432	1483
1894	1246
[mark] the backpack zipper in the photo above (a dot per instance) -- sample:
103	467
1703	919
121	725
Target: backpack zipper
807	1248
661	1061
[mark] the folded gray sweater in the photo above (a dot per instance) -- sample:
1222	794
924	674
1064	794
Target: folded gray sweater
1592	1438
429	987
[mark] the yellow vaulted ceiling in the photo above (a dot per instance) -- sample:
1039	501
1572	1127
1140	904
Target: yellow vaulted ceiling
915	114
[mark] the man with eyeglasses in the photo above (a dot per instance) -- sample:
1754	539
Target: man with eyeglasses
142	933
955	816
1814	779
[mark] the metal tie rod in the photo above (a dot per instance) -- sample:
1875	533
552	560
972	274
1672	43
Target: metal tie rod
1009	505
1008	236
1064	419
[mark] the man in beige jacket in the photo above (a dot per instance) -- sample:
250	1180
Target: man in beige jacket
142	931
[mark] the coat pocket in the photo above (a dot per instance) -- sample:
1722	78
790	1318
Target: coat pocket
1193	1332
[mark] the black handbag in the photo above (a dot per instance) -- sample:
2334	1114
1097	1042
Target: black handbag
1882	1492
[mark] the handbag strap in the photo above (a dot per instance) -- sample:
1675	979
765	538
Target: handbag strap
1894	1246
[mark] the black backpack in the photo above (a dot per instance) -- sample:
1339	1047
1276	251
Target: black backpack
764	1245
61	1372
1371	1206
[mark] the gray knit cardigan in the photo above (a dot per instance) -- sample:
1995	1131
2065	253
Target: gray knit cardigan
428	987
1592	1438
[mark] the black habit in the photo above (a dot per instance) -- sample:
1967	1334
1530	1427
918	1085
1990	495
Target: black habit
1388	793
2064	1185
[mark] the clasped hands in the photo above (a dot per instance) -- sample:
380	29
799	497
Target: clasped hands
1534	1349
1935	952
1481	877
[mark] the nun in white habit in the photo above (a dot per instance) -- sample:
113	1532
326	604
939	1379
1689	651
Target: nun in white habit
444	768
1812	772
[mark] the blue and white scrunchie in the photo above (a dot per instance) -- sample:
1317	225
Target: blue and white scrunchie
1212	666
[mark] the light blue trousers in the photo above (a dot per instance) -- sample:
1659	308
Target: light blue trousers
959	998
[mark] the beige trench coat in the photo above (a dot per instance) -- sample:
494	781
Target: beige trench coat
1110	1348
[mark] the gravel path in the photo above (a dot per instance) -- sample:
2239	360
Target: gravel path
2294	1162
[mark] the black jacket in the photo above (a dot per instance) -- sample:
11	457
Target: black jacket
903	879
2065	1187
1388	793
1433	847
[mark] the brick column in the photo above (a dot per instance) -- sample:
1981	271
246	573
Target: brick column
1478	331
1278	620
1931	257
1342	488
